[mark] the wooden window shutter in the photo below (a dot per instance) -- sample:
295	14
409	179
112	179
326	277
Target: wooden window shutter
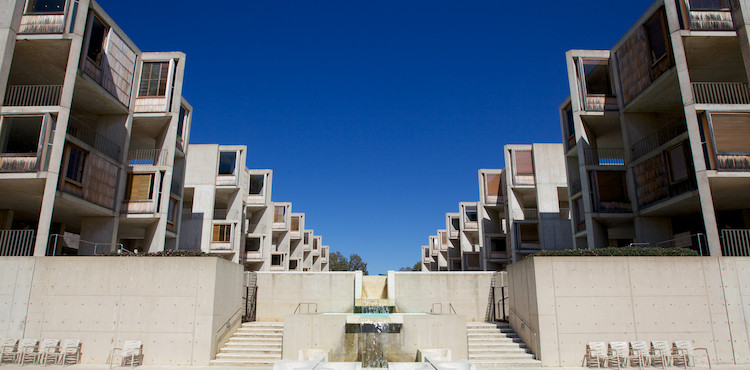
524	162
493	184
217	233
731	132
139	186
278	214
295	223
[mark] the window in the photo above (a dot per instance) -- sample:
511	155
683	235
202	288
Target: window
181	121
295	223
611	187
524	162
731	132
493	181
471	214
252	245
222	233
96	41
76	159
455	223
45	6
227	163
657	38
172	210
307	239
455	265
677	162
570	122
596	72
497	245
293	264
276	260
709	4
278	213
580	212
256	184
20	135
139	186
154	79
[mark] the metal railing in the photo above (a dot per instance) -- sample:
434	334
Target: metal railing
16	242
85	248
94	139
33	95
735	242
251	299
308	306
147	157
659	137
604	156
721	93
698	240
449	310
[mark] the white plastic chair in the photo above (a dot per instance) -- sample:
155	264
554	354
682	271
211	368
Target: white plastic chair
28	351
660	353
71	352
130	353
618	352
596	354
684	353
639	354
9	350
49	350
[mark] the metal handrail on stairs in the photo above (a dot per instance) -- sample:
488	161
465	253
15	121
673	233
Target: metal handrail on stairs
308	305
441	304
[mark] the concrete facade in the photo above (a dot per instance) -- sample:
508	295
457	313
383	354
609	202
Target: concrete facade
655	132
92	148
228	211
186	304
558	304
522	209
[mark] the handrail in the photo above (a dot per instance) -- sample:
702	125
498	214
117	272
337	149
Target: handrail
227	323
699	237
85	242
33	95
441	304
604	156
96	140
721	93
305	304
16	242
659	137
527	325
147	157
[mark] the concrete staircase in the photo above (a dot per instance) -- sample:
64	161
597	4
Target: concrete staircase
254	344
496	345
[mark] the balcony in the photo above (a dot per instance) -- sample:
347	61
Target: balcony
42	23
138	206
524	179
32	95
661	136
735	242
95	140
575	186
147	157
16	242
604	156
733	162
710	20
22	151
721	93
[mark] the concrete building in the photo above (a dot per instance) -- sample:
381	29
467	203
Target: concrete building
656	132
92	134
228	212
522	210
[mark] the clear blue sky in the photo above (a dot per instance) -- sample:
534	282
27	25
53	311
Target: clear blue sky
375	115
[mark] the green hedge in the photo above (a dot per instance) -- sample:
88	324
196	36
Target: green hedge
623	251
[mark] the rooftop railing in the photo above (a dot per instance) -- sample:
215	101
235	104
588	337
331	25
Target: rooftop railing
661	136
94	139
604	156
32	95
147	157
721	93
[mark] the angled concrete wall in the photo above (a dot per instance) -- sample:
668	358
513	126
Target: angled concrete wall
467	292
558	304
279	293
180	307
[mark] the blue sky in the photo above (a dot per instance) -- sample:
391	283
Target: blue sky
375	115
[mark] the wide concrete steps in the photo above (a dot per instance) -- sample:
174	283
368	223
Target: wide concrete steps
254	344
496	345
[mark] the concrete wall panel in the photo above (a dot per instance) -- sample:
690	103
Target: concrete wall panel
279	293
467	292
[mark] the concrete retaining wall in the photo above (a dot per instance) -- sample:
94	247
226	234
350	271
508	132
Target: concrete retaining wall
558	304
180	307
468	292
279	293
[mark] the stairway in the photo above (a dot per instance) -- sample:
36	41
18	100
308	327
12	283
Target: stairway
496	345
254	344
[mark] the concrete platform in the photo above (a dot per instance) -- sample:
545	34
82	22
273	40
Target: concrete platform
156	367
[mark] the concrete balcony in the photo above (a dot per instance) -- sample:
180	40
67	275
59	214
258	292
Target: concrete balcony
32	95
147	157
604	156
721	93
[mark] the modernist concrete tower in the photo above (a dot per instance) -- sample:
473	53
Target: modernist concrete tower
656	131
92	134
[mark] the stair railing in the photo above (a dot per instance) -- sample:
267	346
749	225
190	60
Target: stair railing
306	305
450	310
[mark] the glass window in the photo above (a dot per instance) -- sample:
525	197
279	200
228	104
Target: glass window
569	120
96	41
256	184
76	158
227	162
252	245
181	121
154	79
524	162
278	213
471	214
455	223
20	135
307	239
45	6
293	264
497	245
656	34
611	187
172	211
678	166
222	233
596	72
709	5
295	223
276	260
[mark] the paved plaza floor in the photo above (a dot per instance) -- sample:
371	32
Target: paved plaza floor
155	367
